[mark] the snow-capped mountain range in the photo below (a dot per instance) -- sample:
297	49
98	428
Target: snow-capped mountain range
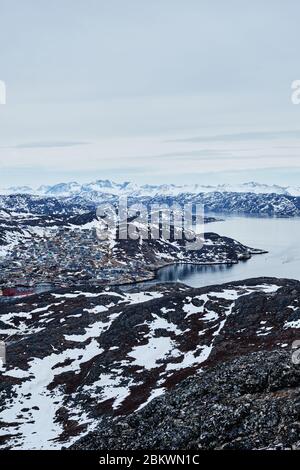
135	190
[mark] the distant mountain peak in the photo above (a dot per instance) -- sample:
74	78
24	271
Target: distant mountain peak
68	189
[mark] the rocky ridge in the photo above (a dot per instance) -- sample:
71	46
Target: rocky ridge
219	201
250	403
92	354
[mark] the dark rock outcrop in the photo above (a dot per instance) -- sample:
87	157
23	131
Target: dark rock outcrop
249	403
101	352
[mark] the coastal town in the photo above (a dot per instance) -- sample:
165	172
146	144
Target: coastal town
43	259
62	258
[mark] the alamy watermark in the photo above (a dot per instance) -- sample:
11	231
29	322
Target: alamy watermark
2	353
296	352
2	92
295	96
152	222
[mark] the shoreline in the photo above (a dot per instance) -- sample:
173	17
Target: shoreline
152	277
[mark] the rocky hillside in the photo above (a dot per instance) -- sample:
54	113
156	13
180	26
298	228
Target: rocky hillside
29	205
99	352
252	402
267	205
218	201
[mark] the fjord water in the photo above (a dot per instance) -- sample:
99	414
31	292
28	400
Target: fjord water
279	236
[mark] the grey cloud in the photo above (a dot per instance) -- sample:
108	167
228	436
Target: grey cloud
242	136
33	145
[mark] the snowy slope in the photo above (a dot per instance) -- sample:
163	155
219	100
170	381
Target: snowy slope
73	356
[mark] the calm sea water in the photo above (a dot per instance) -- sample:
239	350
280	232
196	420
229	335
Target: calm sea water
280	237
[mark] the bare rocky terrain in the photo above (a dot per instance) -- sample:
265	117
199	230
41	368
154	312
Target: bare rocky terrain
94	355
249	403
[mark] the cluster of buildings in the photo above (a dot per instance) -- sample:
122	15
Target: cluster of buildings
64	257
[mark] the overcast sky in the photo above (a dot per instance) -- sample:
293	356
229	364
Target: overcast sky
149	91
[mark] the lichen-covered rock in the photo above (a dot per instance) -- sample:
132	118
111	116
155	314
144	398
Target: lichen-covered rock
249	403
90	353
